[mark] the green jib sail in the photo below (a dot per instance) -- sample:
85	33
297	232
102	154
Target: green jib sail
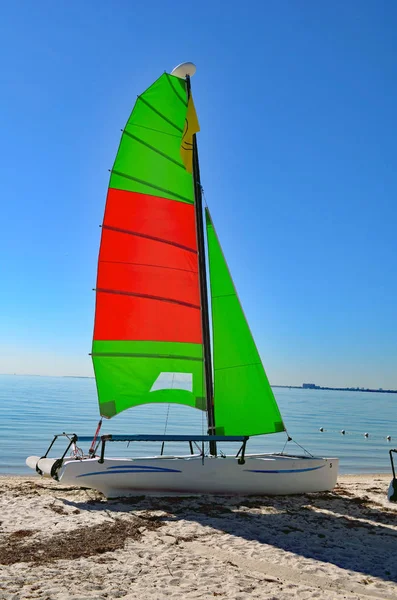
243	399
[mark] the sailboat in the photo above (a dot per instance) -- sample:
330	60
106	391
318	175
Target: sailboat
161	335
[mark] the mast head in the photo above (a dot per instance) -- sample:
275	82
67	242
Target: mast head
186	68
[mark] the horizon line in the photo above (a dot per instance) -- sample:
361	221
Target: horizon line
298	387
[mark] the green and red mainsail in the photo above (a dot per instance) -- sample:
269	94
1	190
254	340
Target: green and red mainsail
148	342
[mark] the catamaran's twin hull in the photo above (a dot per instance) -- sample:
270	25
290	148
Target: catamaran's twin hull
259	475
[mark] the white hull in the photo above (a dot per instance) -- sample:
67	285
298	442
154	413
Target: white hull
266	474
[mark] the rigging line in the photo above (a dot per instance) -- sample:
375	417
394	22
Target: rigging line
166	419
152	185
174	89
137	139
142	355
147	297
290	439
149	237
202	421
174	135
166	119
124	262
286	442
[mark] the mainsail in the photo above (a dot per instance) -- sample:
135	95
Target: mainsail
147	344
244	401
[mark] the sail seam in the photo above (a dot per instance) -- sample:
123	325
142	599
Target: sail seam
125	262
224	295
151	185
149	237
138	355
166	119
238	366
134	137
174	135
172	85
148	297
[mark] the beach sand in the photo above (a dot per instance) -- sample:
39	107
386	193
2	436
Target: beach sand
60	543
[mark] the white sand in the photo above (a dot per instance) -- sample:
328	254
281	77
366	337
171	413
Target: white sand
337	545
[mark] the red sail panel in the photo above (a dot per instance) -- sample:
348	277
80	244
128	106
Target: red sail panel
147	320
169	284
138	250
154	216
147	286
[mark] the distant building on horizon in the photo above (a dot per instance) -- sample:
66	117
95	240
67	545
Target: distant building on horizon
309	386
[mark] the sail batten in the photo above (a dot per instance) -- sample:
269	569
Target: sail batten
160	114
140	126
169	193
136	355
142	264
147	296
163	154
149	237
170	79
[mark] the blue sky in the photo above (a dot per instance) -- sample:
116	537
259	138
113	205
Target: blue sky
296	102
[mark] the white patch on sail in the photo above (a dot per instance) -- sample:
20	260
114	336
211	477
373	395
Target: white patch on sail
173	381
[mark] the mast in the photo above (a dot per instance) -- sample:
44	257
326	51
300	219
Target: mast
205	323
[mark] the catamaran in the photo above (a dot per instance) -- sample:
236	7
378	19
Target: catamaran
161	336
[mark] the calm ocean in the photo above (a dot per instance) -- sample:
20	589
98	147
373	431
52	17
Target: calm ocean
35	408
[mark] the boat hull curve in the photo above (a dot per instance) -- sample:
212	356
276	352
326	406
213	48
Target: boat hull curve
259	475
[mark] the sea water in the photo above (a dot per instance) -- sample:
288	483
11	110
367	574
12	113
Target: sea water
33	409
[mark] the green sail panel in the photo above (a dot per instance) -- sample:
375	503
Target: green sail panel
149	157
130	373
244	401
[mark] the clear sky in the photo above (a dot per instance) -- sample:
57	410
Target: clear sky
297	105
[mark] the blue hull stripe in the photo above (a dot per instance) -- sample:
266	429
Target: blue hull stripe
285	470
146	467
131	469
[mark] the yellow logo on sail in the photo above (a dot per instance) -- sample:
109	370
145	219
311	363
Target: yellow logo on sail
191	127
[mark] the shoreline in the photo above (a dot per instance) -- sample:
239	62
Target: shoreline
337	389
272	385
62	543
